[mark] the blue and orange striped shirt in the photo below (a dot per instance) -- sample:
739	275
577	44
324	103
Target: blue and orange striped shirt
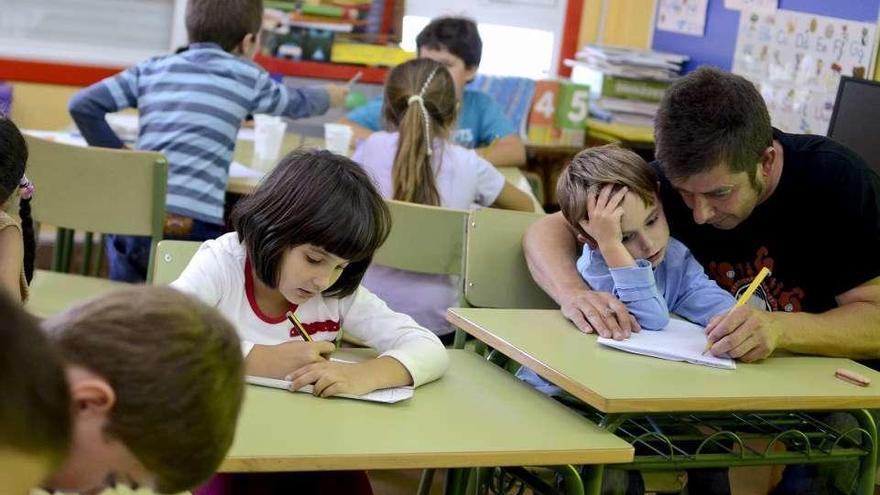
191	105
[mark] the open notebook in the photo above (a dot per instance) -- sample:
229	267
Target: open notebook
679	341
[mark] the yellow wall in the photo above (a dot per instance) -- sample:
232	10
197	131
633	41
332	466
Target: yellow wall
627	23
41	106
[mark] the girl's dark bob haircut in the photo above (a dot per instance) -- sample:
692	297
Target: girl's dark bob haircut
319	198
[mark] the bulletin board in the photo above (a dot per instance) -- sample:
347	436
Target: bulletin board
799	101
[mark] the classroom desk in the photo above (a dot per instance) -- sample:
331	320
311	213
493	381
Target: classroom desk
475	415
50	296
622	385
245	181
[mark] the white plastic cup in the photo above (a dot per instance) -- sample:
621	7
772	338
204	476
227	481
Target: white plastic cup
268	136
337	138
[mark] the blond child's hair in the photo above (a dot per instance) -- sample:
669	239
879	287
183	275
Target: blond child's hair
420	103
592	169
176	368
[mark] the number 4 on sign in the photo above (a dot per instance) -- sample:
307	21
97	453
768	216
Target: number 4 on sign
546	104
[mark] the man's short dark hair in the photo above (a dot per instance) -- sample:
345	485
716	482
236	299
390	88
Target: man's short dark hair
35	411
710	117
457	35
225	22
319	198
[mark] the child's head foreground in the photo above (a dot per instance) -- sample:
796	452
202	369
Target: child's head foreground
156	380
232	24
312	225
454	42
34	402
13	183
595	178
420	104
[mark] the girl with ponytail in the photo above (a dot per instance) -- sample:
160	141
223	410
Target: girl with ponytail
414	162
17	242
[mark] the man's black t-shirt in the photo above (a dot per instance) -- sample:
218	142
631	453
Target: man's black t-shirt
819	232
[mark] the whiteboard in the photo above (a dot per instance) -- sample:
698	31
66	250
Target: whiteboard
101	32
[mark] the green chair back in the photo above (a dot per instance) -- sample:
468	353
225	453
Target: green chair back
424	239
171	258
496	274
98	189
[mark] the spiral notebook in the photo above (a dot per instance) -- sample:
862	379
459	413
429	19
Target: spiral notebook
680	340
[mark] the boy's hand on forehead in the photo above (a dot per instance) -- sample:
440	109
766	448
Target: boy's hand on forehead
604	211
604	214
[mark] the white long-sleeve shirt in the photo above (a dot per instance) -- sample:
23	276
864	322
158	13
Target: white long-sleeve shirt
220	275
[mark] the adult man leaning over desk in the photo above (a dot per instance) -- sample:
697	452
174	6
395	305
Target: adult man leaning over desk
742	195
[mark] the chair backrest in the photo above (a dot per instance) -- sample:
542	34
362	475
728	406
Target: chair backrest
170	260
424	239
496	275
98	189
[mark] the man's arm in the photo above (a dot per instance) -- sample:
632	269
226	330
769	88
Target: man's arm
851	330
550	249
508	151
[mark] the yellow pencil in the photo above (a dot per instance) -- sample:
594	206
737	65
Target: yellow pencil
299	328
745	296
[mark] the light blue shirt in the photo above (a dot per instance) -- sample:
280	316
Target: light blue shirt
678	285
480	119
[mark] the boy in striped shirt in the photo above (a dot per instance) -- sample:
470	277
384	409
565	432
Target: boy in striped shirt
191	105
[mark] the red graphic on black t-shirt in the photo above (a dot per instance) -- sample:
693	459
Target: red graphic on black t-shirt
736	277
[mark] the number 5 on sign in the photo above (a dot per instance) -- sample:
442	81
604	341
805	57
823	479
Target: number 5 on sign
574	106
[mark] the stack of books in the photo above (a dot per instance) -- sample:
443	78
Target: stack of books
625	85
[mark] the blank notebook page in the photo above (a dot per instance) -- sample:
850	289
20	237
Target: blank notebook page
679	341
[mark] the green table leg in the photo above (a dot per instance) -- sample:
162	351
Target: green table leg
868	463
592	477
456	481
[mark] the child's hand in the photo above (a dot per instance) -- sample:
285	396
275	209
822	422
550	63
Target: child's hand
604	211
331	378
337	93
277	361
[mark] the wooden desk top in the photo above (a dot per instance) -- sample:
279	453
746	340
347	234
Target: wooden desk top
614	381
476	415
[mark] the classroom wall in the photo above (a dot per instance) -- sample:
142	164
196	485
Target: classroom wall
627	23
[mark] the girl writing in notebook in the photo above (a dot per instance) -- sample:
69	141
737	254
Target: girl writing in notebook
17	242
302	243
416	163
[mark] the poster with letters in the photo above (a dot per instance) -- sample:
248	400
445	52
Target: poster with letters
796	60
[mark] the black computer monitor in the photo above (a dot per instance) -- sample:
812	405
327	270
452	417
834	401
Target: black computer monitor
855	121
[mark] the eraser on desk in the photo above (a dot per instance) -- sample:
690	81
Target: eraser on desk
852	377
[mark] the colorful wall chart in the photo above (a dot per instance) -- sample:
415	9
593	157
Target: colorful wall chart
796	59
682	16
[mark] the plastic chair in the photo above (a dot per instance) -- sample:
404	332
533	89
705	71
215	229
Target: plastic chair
171	257
425	239
94	190
496	274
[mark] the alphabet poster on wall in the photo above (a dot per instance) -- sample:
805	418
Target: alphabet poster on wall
796	60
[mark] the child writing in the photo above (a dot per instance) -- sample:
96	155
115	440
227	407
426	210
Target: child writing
17	242
191	105
302	243
35	409
455	43
609	196
417	164
156	380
